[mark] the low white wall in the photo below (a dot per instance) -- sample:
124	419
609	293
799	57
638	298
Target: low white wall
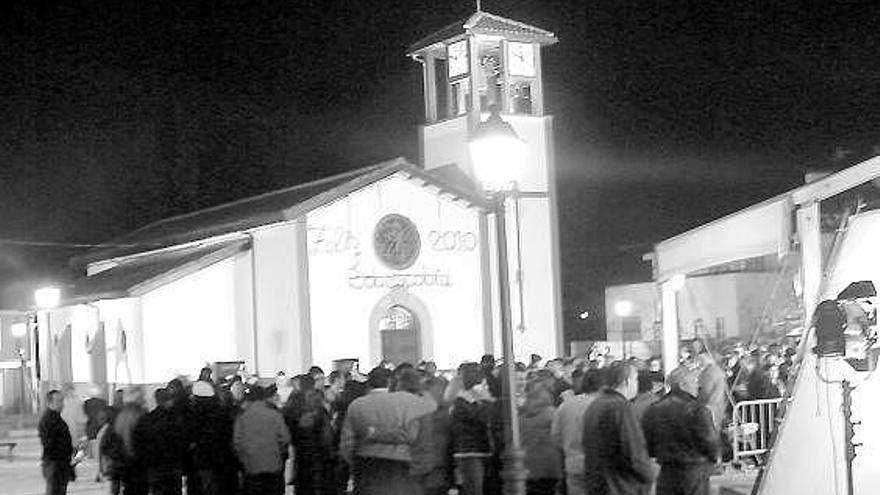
190	322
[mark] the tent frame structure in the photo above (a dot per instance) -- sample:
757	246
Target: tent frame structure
773	226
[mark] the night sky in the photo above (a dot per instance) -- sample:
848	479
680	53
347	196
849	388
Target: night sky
668	114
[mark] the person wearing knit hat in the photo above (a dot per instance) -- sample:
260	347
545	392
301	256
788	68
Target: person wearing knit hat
210	433
202	389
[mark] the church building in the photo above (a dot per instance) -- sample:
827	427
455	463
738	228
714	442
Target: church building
394	261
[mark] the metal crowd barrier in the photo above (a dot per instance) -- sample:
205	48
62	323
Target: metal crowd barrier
754	422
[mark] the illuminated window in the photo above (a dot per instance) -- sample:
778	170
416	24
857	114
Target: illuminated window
399	332
397	318
460	97
521	97
699	328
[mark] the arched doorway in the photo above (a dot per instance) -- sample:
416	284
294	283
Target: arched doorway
400	311
399	334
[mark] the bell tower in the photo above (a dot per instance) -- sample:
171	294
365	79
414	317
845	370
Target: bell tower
490	62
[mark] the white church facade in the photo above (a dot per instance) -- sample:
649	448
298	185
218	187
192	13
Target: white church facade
394	261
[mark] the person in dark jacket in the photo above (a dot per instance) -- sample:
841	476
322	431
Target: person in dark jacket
180	394
435	474
471	414
681	435
161	436
93	407
211	450
126	468
293	408
616	460
543	462
57	445
312	436
354	387
649	386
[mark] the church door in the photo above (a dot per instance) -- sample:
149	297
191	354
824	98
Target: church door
399	330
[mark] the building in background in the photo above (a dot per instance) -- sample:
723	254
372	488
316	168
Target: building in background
393	261
631	318
750	301
16	348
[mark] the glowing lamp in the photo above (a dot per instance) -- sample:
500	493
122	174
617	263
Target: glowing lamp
47	297
18	330
584	315
676	283
496	153
623	308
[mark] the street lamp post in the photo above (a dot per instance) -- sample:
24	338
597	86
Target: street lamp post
45	298
495	153
19	333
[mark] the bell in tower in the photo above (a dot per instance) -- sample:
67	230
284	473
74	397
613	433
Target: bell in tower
490	62
471	66
482	61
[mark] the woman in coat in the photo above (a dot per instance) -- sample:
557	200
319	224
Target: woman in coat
542	459
471	414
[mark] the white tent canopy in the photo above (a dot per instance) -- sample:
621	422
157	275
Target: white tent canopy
756	231
761	229
765	228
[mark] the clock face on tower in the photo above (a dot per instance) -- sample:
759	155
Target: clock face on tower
458	58
396	241
521	59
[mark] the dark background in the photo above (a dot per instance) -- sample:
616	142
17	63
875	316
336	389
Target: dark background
668	114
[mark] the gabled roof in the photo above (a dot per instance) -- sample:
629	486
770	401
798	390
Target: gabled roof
139	275
272	207
486	24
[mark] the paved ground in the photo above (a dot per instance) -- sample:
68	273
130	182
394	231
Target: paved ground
734	482
21	475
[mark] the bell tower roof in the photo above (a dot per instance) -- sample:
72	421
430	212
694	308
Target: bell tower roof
484	23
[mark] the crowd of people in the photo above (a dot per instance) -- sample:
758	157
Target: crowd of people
587	426
759	372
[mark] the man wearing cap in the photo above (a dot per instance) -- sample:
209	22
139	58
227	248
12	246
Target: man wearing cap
681	435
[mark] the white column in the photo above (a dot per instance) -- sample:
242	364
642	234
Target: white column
811	256
670	325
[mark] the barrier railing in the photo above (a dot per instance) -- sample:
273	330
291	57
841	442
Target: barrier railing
754	422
